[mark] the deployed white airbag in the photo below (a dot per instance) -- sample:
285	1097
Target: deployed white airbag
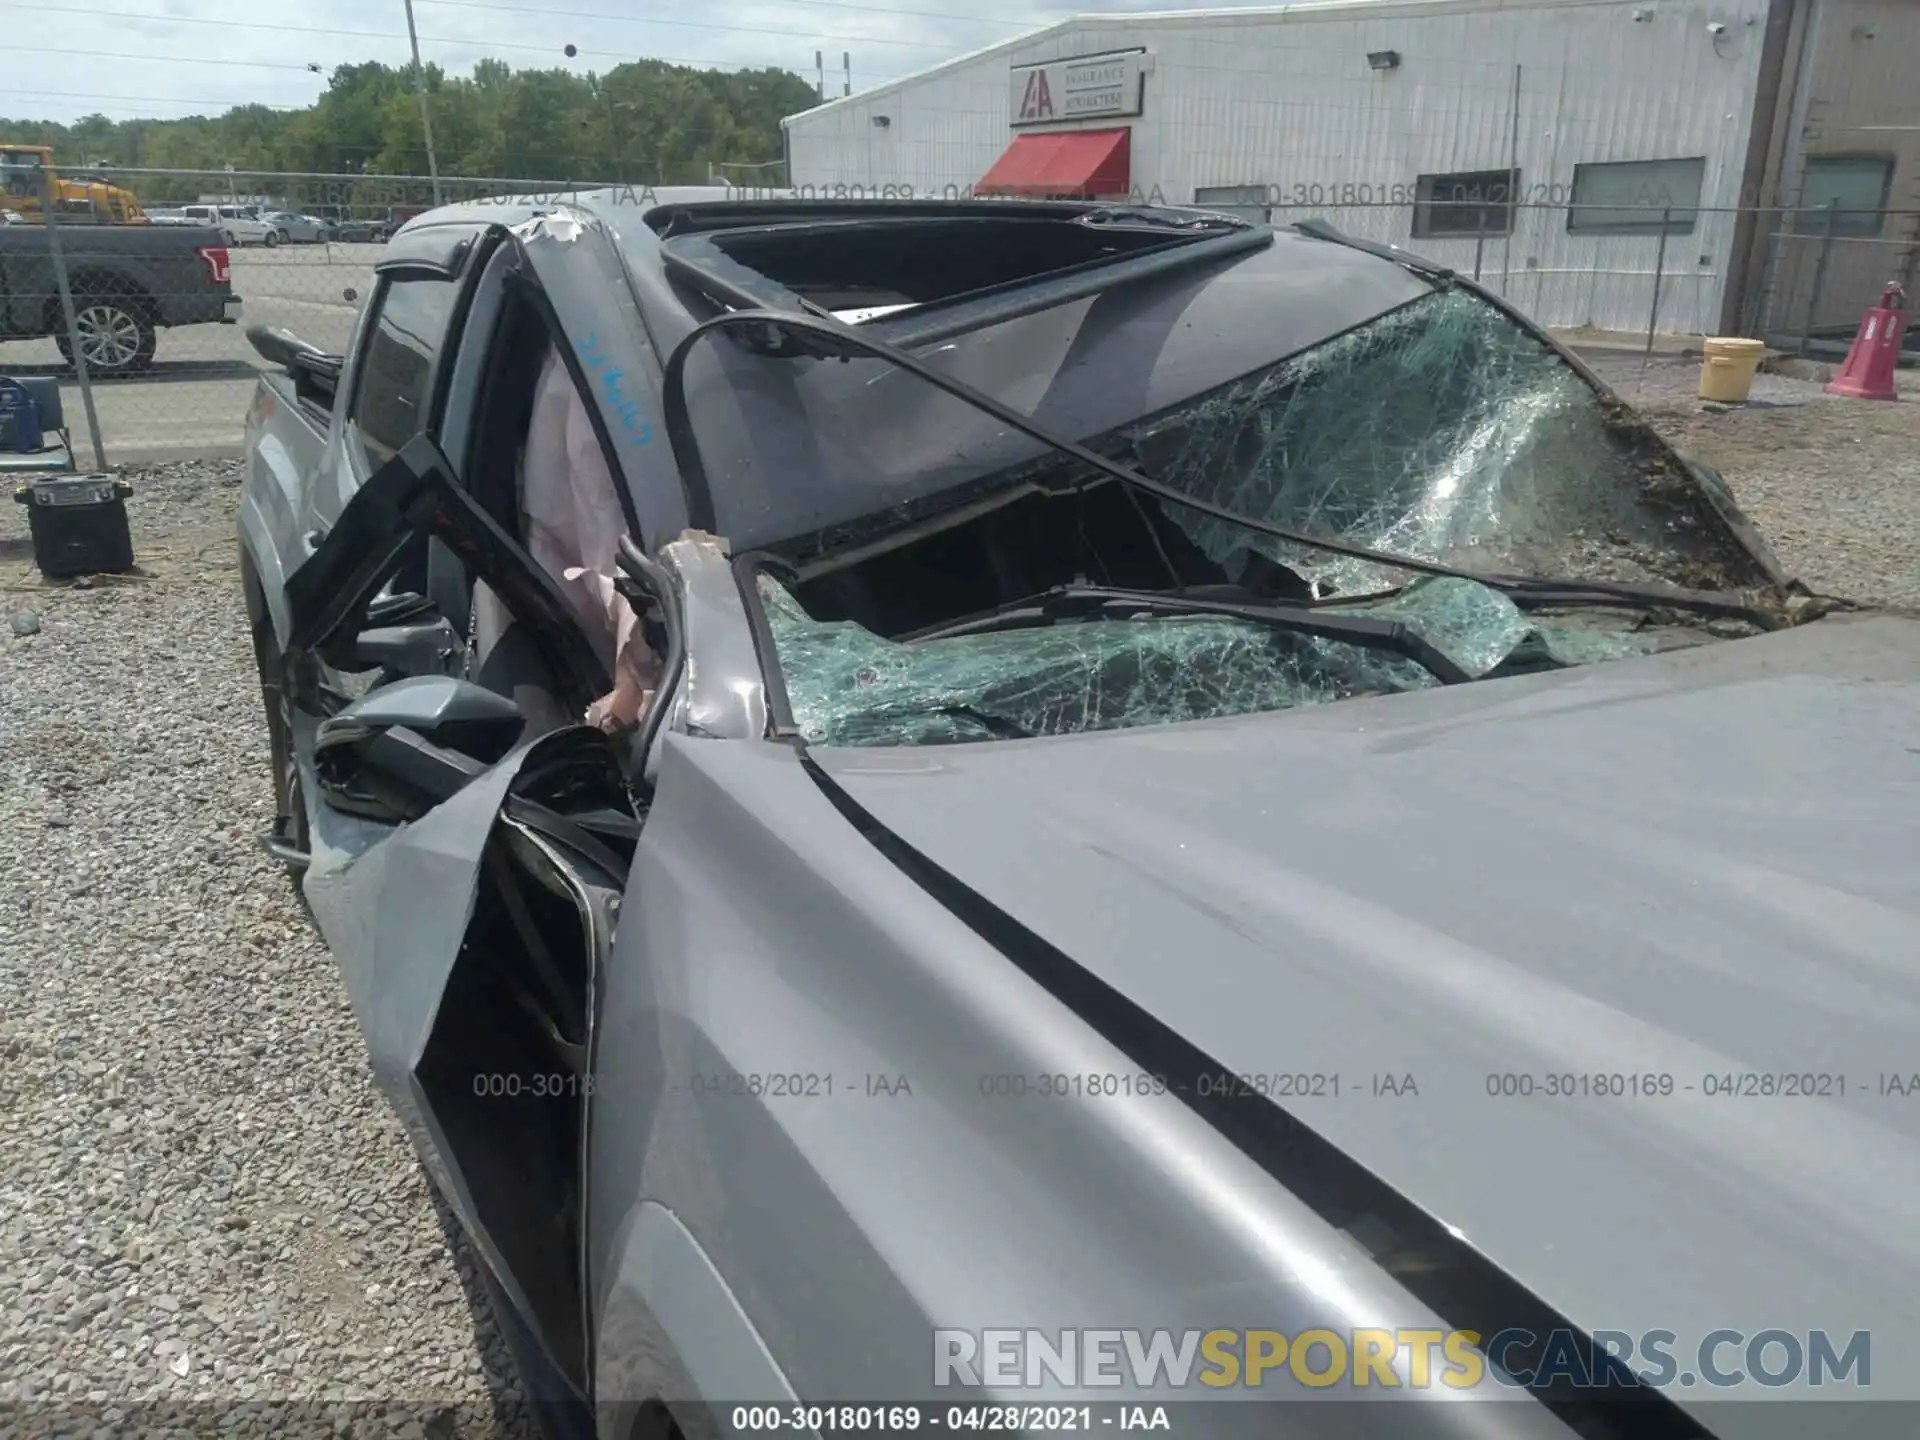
574	524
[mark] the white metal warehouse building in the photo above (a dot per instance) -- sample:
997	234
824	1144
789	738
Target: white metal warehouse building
1413	121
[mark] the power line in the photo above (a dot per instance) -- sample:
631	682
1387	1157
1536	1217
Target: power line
723	65
1026	20
702	132
165	59
448	40
143	99
622	57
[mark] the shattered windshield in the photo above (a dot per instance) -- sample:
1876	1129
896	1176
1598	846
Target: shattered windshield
1440	430
1444	432
848	686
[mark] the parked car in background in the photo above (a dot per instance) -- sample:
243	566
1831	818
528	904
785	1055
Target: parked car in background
364	229
128	283
298	229
233	222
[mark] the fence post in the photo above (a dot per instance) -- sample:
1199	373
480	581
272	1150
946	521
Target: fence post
49	208
1910	266
1819	280
1757	316
1659	270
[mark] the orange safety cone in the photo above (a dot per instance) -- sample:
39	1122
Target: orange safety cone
1875	352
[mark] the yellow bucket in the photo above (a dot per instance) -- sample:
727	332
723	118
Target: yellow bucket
1726	375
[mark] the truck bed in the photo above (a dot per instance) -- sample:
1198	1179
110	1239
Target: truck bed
295	404
177	275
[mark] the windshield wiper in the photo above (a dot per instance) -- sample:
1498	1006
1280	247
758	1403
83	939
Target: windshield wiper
993	724
1099	602
1536	592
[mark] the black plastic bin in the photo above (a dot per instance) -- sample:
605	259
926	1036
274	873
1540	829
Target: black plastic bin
79	524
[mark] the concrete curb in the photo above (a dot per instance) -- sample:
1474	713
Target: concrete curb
1607	350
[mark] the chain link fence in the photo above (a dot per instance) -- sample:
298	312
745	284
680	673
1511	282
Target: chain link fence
1801	276
159	310
1821	268
761	174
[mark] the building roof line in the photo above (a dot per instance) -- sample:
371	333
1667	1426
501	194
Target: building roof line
1301	12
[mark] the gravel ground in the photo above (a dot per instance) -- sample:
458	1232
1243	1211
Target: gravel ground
202	1197
1833	482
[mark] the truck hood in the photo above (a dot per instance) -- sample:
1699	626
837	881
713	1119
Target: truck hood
1699	865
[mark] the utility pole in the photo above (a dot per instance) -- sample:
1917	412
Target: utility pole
426	119
50	217
846	61
820	73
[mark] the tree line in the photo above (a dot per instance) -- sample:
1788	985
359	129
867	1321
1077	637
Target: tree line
646	122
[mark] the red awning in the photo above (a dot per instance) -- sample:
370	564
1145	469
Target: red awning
1062	164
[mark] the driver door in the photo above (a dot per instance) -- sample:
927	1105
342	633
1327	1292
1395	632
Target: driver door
466	865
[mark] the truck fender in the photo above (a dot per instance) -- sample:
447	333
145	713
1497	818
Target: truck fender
261	546
670	1329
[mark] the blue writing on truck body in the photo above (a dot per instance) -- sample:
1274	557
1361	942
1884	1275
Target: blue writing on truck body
639	432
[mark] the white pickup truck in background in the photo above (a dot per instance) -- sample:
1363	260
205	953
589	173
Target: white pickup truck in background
235	224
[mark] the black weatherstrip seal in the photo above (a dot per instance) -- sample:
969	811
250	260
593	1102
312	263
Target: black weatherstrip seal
1460	1285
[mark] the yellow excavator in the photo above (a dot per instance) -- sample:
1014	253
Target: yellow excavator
90	201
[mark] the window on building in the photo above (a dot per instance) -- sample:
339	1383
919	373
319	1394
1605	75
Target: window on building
1468	202
395	385
1627	197
1855	186
1249	202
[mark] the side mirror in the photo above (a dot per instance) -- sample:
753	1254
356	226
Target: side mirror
278	345
402	749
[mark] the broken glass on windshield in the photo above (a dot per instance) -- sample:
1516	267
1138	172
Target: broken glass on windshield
848	686
1441	431
1478	628
1444	432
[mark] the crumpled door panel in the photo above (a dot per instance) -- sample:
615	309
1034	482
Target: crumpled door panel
465	938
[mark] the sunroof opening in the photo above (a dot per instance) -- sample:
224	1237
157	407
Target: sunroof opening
870	266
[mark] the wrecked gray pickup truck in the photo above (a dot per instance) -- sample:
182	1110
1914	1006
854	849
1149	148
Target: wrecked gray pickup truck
1198	778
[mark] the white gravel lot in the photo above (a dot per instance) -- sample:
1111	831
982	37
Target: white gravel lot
1832	482
202	1196
203	1199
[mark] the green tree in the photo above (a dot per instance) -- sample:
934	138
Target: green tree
643	121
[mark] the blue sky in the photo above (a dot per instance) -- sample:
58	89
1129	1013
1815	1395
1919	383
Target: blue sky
166	58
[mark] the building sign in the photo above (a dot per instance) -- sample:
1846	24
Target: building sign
1086	87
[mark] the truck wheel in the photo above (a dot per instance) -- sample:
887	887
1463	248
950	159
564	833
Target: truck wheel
272	238
116	335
